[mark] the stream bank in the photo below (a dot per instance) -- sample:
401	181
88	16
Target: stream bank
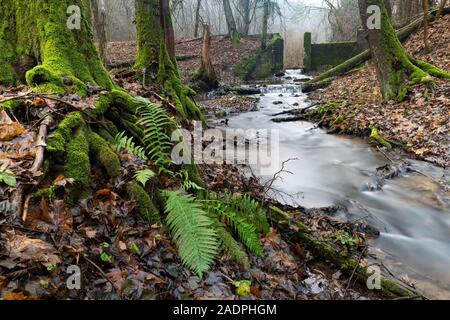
411	209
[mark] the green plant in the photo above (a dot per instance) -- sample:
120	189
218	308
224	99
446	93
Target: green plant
187	183
346	239
7	177
143	176
155	122
123	142
241	214
192	231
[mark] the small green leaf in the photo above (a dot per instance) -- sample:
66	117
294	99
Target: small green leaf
134	248
242	287
105	257
105	245
9	179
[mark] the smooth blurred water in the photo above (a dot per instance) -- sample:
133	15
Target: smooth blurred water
411	211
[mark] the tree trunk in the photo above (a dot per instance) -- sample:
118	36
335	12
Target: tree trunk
156	54
265	24
441	8
38	46
231	23
99	20
206	73
247	17
425	6
395	70
197	18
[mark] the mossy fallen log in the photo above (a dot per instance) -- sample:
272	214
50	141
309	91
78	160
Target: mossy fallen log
313	86
299	232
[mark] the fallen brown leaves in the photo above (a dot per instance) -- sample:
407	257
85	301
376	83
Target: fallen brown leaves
421	123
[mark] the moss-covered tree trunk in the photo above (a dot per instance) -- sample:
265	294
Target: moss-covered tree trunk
231	22
49	44
156	54
395	70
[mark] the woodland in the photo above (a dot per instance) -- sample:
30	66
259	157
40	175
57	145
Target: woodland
93	206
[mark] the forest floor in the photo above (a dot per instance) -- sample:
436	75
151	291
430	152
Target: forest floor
421	123
119	254
225	56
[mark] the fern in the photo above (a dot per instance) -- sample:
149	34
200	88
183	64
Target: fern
226	213
143	176
121	141
231	246
192	231
155	122
187	183
249	209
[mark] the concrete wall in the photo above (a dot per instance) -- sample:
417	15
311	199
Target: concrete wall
322	56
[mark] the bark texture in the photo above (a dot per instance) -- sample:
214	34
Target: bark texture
206	73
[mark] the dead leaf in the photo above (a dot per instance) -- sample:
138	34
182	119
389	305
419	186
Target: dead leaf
28	249
19	296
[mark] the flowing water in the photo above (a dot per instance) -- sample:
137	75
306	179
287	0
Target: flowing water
411	211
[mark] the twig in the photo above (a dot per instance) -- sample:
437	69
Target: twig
354	270
40	145
103	274
384	154
25	208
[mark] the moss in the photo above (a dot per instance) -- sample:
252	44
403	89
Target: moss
102	153
432	70
58	140
378	138
77	165
321	111
115	98
39	31
235	38
48	193
246	67
148	36
146	207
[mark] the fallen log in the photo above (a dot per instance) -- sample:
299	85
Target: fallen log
299	232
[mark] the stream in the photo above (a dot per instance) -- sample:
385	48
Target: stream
411	211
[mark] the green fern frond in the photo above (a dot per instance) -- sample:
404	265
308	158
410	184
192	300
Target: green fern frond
245	207
231	246
121	141
155	122
192	231
143	176
250	209
225	213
